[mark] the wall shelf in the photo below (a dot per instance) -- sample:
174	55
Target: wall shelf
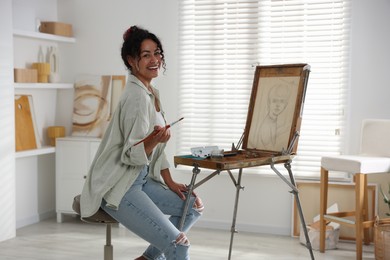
43	36
34	152
43	85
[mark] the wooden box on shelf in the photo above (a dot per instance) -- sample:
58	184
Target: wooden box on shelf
56	28
25	75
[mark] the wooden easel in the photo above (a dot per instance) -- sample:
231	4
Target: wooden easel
241	160
278	92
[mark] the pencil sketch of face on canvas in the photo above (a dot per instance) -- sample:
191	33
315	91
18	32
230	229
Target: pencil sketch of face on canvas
273	113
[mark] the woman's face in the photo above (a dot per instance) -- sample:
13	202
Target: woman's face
146	67
277	105
277	100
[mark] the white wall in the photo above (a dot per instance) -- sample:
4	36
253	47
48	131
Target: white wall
370	87
265	203
7	142
98	36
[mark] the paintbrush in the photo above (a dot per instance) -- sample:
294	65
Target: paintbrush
174	122
152	135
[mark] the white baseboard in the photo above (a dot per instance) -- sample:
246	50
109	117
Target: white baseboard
34	219
209	224
243	227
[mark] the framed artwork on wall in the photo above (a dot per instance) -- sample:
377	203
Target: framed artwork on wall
95	99
117	86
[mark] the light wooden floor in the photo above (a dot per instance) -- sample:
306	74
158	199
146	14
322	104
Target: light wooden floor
75	240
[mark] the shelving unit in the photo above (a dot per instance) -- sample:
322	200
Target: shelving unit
30	87
43	86
35	152
43	36
34	191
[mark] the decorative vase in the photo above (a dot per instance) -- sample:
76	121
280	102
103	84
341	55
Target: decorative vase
52	59
43	71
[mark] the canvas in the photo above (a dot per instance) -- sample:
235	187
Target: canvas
275	107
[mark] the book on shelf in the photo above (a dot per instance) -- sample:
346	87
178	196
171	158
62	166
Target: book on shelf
26	131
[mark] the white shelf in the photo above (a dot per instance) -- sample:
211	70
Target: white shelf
34	152
43	36
43	85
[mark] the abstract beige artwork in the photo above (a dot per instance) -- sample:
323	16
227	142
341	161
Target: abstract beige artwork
91	105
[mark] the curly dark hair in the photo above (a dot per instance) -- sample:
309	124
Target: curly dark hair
132	40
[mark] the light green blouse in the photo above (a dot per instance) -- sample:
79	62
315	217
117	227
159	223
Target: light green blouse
117	162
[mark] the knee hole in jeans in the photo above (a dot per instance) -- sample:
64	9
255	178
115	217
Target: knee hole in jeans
198	205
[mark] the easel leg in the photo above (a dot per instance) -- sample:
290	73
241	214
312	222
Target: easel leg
287	165
195	172
233	228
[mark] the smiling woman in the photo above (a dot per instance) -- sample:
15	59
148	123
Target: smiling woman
130	177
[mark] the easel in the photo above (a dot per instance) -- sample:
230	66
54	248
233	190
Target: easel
271	84
240	162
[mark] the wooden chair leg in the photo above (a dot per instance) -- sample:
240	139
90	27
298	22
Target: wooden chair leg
367	236
323	206
359	207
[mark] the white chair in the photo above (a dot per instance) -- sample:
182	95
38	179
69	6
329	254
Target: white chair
374	157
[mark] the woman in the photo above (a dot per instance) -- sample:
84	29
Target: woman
130	179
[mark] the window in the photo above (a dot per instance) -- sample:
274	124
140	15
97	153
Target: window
221	42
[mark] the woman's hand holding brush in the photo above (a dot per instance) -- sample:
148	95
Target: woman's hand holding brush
160	134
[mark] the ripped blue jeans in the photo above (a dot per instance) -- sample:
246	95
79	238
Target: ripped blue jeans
143	211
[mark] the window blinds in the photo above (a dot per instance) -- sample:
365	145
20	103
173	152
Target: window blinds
221	42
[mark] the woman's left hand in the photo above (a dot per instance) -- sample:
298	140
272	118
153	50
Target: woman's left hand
178	188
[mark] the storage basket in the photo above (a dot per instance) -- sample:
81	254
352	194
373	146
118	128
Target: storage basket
382	239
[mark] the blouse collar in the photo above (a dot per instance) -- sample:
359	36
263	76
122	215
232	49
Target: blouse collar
141	84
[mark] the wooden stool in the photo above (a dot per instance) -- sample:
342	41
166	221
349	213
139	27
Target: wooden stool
373	158
100	217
